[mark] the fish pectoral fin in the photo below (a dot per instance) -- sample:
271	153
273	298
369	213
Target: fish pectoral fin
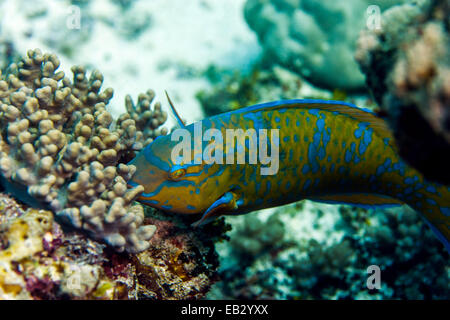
225	203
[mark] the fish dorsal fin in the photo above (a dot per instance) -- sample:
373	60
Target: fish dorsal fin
363	115
174	111
344	108
365	200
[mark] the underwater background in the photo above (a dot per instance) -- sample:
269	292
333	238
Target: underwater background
70	228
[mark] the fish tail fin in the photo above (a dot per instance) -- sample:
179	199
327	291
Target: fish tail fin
434	205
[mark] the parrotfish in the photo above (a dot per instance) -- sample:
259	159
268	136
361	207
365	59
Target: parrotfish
329	151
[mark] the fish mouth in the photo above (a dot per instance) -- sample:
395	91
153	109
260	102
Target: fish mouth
132	184
167	208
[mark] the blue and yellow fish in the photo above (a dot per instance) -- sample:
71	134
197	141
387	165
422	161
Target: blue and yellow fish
329	151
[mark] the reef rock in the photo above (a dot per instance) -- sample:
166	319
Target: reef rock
407	66
314	38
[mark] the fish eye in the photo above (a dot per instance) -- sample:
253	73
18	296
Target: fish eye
177	174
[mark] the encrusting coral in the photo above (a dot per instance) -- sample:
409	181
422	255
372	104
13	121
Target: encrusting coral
407	68
60	148
41	260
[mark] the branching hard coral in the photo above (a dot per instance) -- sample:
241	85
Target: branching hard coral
408	71
146	120
61	149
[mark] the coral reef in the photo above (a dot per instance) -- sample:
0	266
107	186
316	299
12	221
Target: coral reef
64	157
233	90
315	251
181	262
413	264
254	239
7	53
61	149
75	22
314	38
407	66
134	20
41	260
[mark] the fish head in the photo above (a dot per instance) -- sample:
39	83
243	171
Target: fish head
174	186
